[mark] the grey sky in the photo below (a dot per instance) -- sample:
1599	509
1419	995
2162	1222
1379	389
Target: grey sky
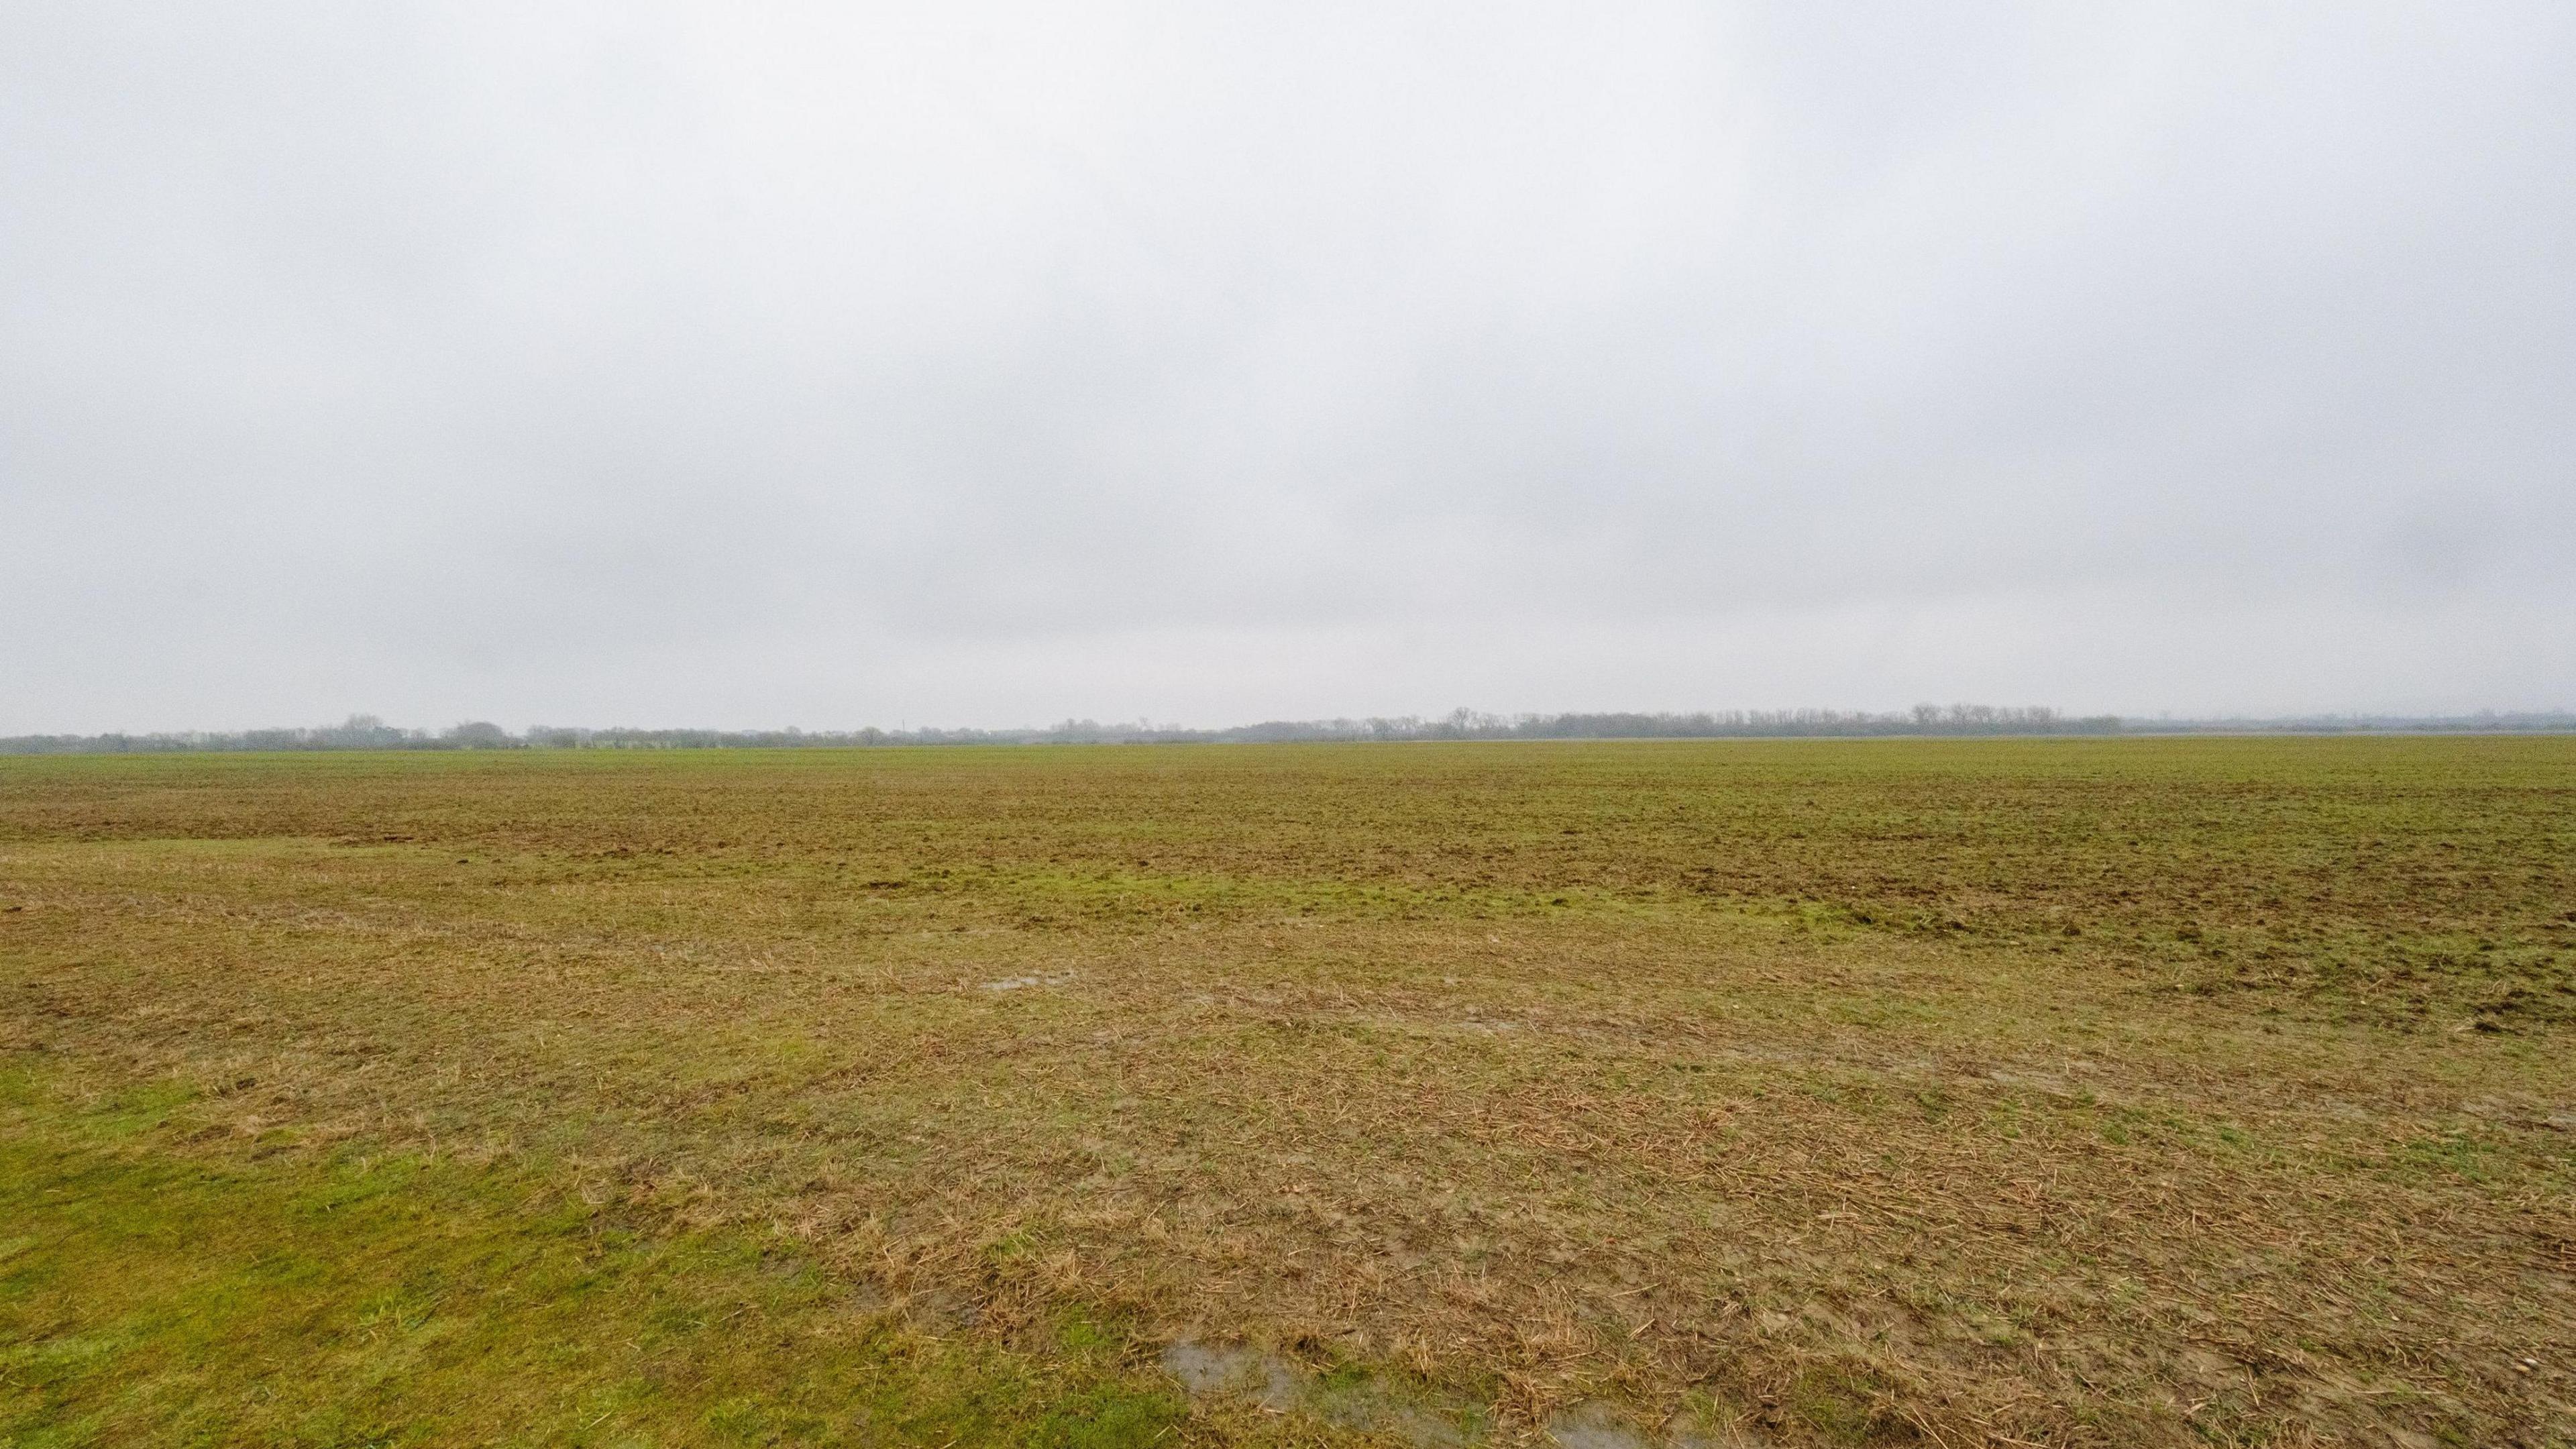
987	365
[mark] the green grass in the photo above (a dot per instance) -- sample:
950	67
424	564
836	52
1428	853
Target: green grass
152	1291
2078	1092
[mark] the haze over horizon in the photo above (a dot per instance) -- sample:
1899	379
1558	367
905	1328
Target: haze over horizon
752	367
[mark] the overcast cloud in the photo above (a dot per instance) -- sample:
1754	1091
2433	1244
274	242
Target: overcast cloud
970	365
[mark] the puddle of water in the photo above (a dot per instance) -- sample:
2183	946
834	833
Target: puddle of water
1265	1378
2044	1081
1378	1406
1023	983
1368	1405
1594	1426
1382	1414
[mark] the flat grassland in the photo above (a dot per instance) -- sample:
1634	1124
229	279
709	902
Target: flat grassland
1957	1093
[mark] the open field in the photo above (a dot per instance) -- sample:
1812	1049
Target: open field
1963	1093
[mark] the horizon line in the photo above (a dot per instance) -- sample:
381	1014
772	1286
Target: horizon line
365	731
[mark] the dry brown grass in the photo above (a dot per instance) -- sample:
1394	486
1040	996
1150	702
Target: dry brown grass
2014	1092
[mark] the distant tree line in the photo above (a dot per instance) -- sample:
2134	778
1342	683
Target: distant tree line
367	732
1465	724
2484	722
